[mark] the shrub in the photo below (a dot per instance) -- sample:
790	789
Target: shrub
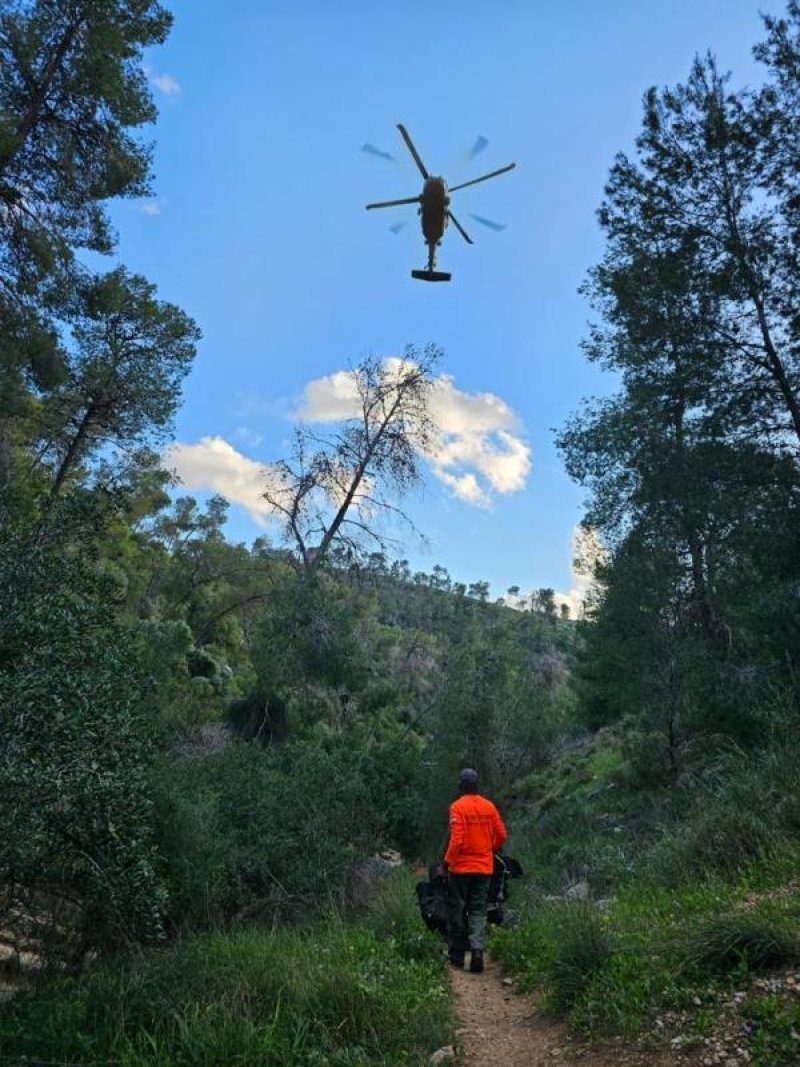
773	1026
329	995
718	944
75	814
723	839
582	947
393	914
249	832
563	946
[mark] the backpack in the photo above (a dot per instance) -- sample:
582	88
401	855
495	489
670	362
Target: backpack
434	898
505	868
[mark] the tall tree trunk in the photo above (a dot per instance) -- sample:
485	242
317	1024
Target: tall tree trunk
358	477
31	117
71	455
775	364
694	540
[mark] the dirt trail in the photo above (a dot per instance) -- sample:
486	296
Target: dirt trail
496	1026
501	1028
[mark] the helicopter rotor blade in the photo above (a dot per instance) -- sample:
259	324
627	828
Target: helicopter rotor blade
484	178
371	150
488	222
398	226
412	150
478	147
394	203
460	228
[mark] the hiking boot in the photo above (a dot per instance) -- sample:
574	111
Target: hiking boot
476	961
456	961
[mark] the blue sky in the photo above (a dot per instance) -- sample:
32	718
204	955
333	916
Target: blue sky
257	225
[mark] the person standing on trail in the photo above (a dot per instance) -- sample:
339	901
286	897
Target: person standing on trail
476	832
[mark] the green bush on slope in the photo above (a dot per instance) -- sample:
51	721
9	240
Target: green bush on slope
654	949
335	994
253	833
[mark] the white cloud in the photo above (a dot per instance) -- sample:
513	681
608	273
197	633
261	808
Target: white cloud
213	464
465	487
476	433
456	412
150	207
166	84
502	459
587	551
330	399
247	436
476	450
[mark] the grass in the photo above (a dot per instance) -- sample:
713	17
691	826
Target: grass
654	949
774	1031
335	995
574	820
691	873
720	944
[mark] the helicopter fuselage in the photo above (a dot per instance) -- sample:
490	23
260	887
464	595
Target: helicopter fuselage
434	204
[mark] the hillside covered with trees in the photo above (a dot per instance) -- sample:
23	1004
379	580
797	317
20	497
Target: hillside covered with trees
211	753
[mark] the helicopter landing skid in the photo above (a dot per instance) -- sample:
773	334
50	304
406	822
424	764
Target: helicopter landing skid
431	275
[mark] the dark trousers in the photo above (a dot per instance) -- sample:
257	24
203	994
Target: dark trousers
466	927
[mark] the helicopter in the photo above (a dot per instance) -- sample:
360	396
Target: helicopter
434	207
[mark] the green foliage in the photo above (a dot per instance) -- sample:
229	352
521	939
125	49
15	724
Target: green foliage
502	701
593	812
72	94
315	631
723	838
574	819
129	356
654	949
392	911
249	832
738	811
719	944
691	483
75	813
773	1026
563	945
332	995
691	647
583	947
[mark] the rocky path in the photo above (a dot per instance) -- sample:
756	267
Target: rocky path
500	1028
497	1026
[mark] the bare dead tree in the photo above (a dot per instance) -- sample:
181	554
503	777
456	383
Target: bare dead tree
337	487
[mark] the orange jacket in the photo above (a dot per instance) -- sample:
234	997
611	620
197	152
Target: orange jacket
476	832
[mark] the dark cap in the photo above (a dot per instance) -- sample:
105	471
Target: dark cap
468	777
